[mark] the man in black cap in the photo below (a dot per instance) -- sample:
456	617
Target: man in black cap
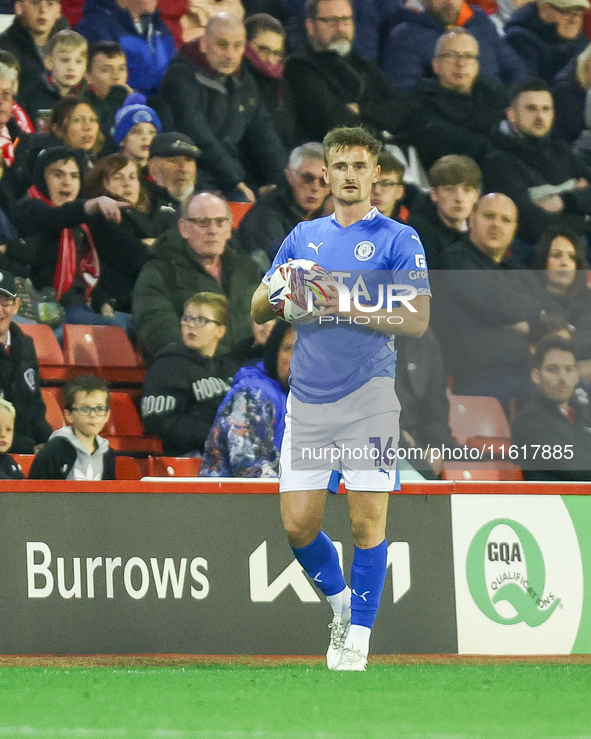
19	374
172	170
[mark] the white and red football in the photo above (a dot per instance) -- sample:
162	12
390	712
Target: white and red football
295	286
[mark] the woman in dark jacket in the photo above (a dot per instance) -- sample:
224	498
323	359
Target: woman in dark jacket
128	242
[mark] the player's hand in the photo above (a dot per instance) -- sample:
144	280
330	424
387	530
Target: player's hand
330	305
110	209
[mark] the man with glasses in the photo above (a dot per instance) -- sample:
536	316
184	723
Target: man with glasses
301	198
35	21
200	255
410	46
212	98
19	374
460	107
187	381
547	35
334	86
77	451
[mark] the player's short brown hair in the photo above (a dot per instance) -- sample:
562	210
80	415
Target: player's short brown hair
345	138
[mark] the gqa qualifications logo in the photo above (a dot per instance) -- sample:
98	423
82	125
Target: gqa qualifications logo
511	571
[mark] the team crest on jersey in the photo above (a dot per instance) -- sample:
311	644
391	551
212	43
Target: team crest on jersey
364	251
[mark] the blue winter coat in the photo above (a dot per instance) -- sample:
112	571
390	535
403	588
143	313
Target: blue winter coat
410	48
147	54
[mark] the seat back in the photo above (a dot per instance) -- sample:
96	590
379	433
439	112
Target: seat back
238	211
130	468
474	415
174	466
47	347
98	346
24	461
125	419
481	471
54	414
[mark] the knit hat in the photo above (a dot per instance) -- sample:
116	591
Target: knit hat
134	111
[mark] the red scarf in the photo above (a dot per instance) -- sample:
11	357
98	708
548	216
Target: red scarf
275	71
67	263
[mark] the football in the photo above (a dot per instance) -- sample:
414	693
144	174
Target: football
295	284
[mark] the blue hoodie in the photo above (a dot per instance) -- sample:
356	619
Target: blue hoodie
148	52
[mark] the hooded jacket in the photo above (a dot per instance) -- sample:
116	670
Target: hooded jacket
148	53
539	45
519	166
570	99
225	117
19	383
410	48
64	457
182	392
246	435
173	274
436	235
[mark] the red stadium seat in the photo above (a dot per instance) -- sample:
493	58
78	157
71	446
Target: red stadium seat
481	471
477	416
174	466
24	461
102	350
130	468
124	428
54	414
239	210
49	353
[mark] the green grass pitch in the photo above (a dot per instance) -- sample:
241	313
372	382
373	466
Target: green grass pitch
297	701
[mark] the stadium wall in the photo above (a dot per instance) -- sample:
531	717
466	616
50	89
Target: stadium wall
202	567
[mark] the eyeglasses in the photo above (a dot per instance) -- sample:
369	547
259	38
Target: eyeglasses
386	184
198	321
307	178
334	21
86	410
7	302
204	222
266	52
455	56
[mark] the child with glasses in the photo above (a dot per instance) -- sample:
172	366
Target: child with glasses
77	452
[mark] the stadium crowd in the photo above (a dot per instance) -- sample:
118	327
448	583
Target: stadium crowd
130	129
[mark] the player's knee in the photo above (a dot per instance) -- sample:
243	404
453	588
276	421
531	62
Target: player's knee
300	533
367	533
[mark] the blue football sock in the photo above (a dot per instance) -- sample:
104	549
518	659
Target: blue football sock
321	562
367	582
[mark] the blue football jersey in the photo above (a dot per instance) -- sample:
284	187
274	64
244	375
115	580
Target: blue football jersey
332	358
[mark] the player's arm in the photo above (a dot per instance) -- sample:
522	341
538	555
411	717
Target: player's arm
410	319
260	309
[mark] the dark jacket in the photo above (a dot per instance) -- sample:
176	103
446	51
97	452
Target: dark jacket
106	108
569	103
19	383
56	459
539	45
324	83
42	94
541	422
421	387
19	42
268	222
174	274
435	235
246	436
455	123
182	392
226	118
519	164
148	54
9	469
475	300
410	48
